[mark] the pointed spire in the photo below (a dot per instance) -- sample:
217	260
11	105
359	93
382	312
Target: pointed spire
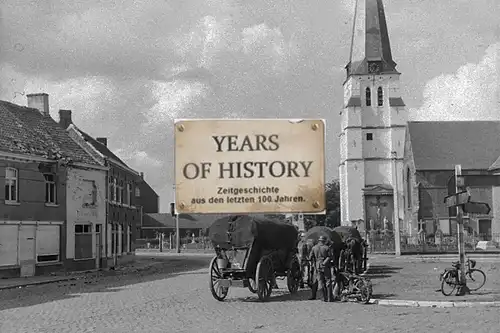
370	40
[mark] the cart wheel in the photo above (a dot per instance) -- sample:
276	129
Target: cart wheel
252	286
265	277
218	292
294	276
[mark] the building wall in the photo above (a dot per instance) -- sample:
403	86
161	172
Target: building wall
120	214
86	202
148	199
366	162
31	213
31	193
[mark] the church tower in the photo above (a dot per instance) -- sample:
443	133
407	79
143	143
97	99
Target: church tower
373	124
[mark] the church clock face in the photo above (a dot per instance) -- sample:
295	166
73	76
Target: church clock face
373	67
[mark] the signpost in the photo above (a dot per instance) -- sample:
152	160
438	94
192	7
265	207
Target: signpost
458	200
249	166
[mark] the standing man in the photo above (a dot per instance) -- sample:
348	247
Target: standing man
322	263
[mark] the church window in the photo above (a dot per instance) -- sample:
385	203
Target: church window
380	96
408	187
369	136
368	97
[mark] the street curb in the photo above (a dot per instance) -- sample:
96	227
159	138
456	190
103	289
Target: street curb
432	304
37	283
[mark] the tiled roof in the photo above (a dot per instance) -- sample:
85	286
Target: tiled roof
100	147
166	220
440	145
26	131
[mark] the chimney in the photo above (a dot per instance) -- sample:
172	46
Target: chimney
102	141
65	118
142	175
40	102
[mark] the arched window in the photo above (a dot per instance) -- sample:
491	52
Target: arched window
380	96
368	97
408	187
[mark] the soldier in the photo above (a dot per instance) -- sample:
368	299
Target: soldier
321	260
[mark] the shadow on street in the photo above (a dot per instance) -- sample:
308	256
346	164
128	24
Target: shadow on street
381	271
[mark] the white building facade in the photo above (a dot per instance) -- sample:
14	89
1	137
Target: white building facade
373	124
86	217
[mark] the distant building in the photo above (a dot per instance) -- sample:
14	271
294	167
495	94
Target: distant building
165	223
49	181
146	197
432	149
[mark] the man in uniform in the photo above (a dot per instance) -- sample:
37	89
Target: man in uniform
321	261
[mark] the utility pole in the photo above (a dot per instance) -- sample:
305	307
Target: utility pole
177	236
459	184
397	236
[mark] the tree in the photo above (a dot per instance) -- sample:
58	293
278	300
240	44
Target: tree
332	198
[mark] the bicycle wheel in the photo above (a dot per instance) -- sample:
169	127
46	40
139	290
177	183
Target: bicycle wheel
475	279
448	282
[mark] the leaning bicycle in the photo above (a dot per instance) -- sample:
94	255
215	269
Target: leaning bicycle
450	278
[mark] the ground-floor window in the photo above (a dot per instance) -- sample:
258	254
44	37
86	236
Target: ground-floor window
83	241
129	239
124	240
48	243
9	237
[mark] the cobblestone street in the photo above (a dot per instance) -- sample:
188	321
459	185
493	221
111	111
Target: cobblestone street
174	297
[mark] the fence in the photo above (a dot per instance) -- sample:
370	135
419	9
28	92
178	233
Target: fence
198	243
380	241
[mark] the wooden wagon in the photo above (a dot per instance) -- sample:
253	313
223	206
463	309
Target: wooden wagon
252	252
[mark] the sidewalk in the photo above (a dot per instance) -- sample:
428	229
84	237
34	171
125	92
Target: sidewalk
129	263
395	280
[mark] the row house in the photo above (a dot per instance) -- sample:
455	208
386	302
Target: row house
122	211
53	208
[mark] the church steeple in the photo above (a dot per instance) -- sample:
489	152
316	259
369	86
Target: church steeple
370	46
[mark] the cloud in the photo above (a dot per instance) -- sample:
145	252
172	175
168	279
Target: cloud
88	95
138	159
472	93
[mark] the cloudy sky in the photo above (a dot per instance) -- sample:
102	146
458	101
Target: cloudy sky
128	68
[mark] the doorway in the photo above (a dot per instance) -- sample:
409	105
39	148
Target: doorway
27	250
485	229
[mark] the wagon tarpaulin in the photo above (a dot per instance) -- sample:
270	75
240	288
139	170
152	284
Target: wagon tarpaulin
315	232
348	232
243	230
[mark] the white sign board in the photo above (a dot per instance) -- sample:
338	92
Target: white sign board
249	166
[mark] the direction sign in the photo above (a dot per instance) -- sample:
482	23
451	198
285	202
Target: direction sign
473	180
477	208
457	199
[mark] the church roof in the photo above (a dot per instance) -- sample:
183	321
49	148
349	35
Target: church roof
370	38
440	145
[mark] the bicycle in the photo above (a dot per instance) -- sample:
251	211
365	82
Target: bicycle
355	287
451	277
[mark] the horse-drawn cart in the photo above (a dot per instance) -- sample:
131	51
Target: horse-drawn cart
252	252
354	256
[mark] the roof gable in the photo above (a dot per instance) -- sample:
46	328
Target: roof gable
440	145
26	131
